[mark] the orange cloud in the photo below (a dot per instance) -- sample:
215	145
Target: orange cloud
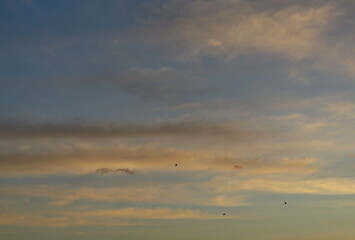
114	217
59	220
148	213
122	158
176	194
283	185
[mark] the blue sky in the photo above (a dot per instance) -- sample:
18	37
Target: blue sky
152	119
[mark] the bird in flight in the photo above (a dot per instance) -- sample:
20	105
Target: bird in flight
175	164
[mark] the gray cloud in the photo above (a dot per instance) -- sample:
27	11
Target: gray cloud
24	130
109	171
158	84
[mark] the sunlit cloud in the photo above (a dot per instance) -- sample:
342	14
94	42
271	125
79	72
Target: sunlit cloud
149	213
327	186
174	115
142	158
233	27
112	217
58	220
172	194
230	29
284	166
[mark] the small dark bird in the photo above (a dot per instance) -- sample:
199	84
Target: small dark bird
224	214
285	202
175	164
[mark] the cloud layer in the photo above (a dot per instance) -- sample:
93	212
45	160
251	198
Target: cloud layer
299	32
22	130
187	109
108	171
159	84
114	217
233	27
128	159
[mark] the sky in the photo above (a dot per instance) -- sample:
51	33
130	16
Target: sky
177	119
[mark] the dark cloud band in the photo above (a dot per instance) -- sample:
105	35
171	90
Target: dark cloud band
23	130
109	171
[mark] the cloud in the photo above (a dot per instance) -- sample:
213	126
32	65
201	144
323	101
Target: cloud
57	220
341	110
324	186
209	28
158	84
112	217
24	130
257	167
85	160
149	213
108	171
311	32
176	194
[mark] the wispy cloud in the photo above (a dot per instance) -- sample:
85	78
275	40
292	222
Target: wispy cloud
258	167
296	31
324	186
121	158
109	171
112	217
149	213
58	220
159	84
232	27
18	130
173	194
